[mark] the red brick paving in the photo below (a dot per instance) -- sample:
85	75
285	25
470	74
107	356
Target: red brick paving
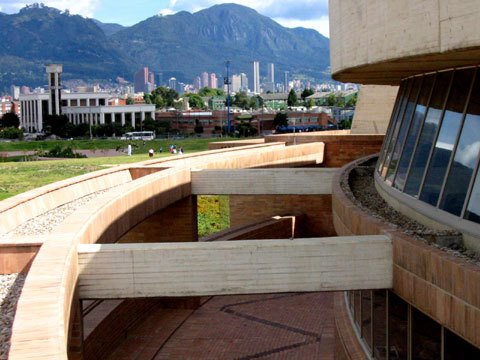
277	326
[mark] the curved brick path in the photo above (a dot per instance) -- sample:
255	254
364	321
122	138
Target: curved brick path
277	326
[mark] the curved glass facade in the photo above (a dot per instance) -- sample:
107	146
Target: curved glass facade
432	147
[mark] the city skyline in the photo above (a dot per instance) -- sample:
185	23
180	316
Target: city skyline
304	13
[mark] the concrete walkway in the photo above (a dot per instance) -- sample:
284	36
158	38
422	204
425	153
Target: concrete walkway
278	326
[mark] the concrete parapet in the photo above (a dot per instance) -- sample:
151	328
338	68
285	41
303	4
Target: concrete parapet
381	42
443	286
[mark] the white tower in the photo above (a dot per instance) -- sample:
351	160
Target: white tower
54	89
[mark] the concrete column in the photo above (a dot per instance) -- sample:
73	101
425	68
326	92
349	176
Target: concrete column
97	102
143	116
102	118
133	120
153	115
123	118
40	116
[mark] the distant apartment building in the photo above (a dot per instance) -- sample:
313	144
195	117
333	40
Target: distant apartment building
213	81
90	108
172	83
236	83
204	79
197	83
15	92
270	83
254	84
144	80
7	104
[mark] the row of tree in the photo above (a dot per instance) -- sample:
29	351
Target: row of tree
9	126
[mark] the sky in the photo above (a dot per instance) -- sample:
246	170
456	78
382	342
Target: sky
289	13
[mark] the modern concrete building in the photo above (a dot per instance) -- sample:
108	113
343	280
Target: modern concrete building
428	171
254	78
90	108
390	223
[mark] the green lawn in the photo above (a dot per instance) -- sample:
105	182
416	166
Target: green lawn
190	144
18	177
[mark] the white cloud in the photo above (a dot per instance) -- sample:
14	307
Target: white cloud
321	24
81	7
289	13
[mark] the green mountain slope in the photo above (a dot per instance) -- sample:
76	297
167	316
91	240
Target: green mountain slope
192	43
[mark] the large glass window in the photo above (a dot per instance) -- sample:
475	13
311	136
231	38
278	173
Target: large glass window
426	337
379	324
367	317
465	159
457	348
473	208
428	133
417	121
395	128
398	326
391	126
448	133
405	125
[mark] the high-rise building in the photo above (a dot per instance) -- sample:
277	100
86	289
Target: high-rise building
271	73
244	82
197	83
172	83
236	83
254	78
140	79
54	88
204	79
15	92
213	81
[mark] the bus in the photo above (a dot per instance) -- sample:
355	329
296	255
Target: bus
139	135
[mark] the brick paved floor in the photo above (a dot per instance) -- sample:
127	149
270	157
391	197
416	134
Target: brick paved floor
277	326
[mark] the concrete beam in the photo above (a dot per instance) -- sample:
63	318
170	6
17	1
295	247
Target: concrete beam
110	271
263	181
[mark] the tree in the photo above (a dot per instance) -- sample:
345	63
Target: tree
255	102
331	100
10	119
281	119
206	91
292	98
195	101
57	125
306	93
241	100
130	101
198	127
352	102
163	97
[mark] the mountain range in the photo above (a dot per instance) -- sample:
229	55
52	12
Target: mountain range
181	45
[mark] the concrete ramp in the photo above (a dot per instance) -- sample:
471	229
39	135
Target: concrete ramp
108	271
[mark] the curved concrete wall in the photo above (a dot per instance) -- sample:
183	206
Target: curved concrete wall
442	285
382	41
49	289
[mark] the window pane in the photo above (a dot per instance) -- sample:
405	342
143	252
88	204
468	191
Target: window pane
465	159
417	121
391	126
427	136
367	317
457	348
356	306
379	324
397	312
473	208
426	337
447	136
395	128
412	99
